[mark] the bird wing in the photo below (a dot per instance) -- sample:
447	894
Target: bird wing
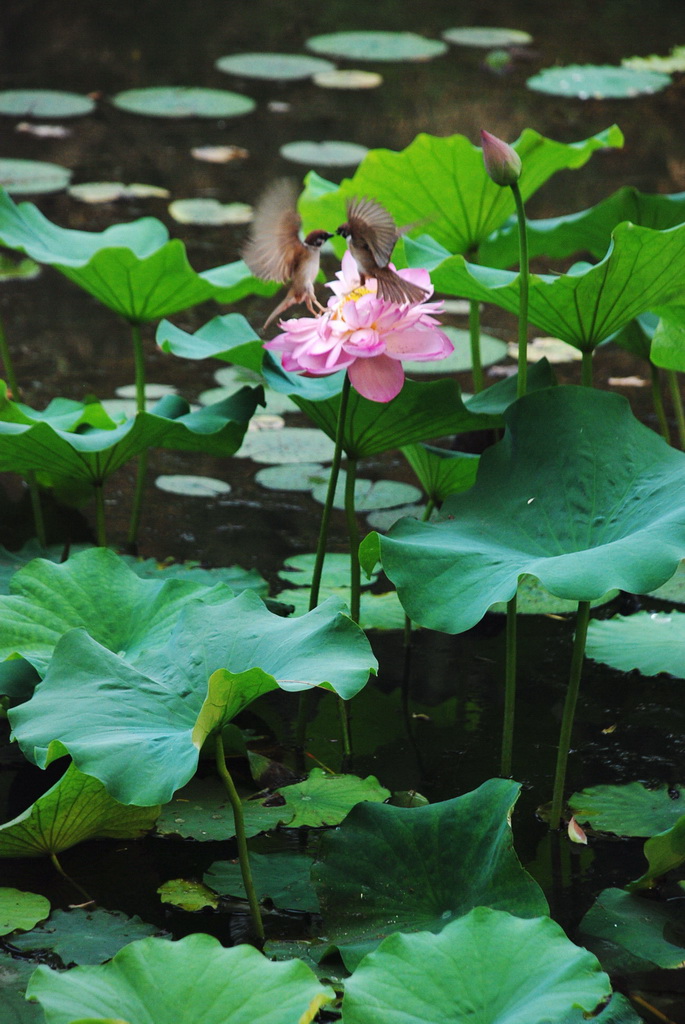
274	242
371	222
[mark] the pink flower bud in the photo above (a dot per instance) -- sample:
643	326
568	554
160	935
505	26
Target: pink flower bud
502	163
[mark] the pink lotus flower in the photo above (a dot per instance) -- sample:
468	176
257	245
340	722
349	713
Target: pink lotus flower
365	335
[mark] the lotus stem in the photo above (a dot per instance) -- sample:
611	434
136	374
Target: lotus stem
677	401
141	469
243	855
60	870
474	335
32	482
407	634
353	535
100	515
522	379
658	401
509	690
586	370
582	619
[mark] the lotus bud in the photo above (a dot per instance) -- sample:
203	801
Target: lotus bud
502	163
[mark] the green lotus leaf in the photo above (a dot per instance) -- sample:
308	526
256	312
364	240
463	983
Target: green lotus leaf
650	932
12	561
664	852
441	471
184	101
463	205
389	869
132	268
402	46
651	642
488	38
668	340
209	212
21	910
14	976
287	445
76	808
234	576
533	599
28	177
439	979
599	82
643	268
89	457
84	935
675	61
140	732
331	153
188	894
201	810
628	810
673	590
39	103
586	231
94	589
369	495
325	799
191	981
282	877
227	337
578	493
277	66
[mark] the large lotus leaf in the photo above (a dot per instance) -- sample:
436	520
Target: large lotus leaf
140	733
234	576
191	981
628	810
389	869
201	810
668	340
422	410
21	909
651	642
462	205
642	268
132	268
324	798
61	413
94	589
578	493
440	979
647	930
441	471
84	935
227	337
76	808
282	877
14	976
664	852
95	454
585	231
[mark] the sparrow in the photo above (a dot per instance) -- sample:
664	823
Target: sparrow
371	235
275	252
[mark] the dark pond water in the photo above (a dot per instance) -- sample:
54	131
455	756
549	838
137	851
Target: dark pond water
66	344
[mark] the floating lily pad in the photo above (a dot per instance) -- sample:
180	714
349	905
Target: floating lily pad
83	936
282	877
110	191
278	66
184	101
488	38
44	103
234	576
14	976
21	177
554	350
219	154
189	895
210	211
636	929
21	910
533	599
651	642
599	82
383	519
201	810
384	46
302	477
675	62
292	444
324	154
325	799
629	810
458	361
347	79
192	486
674	589
191	981
369	495
152	391
298	570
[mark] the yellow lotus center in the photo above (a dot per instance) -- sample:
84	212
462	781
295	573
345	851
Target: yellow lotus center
352	296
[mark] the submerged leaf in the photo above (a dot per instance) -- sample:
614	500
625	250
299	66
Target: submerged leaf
84	936
651	933
281	877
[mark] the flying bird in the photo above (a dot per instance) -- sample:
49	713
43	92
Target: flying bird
371	234
275	252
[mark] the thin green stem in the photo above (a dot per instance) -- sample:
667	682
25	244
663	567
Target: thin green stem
353	536
586	370
509	690
58	867
6	357
474	336
677	400
141	468
241	840
100	515
330	495
582	619
522	380
658	402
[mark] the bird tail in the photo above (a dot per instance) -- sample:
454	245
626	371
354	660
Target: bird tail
394	288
